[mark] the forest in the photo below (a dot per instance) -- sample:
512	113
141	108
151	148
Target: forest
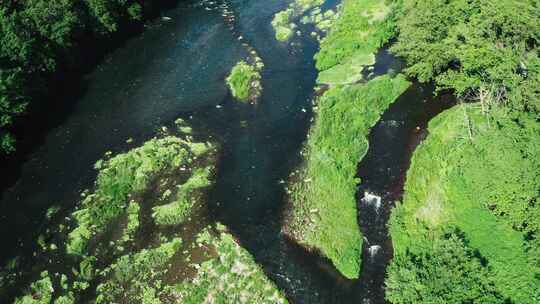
467	230
41	41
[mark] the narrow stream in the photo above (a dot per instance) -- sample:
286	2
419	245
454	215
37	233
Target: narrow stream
383	171
177	68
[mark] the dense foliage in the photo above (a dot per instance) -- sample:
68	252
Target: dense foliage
324	214
230	276
477	174
324	197
37	39
485	50
245	81
444	271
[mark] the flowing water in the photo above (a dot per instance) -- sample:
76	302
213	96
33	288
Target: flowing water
177	68
382	172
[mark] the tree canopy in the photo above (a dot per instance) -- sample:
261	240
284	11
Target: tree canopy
485	50
35	36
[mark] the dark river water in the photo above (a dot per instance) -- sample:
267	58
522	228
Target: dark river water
177	68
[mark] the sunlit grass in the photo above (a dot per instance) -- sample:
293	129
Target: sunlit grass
469	175
325	214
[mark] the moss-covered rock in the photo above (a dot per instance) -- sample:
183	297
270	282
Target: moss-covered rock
245	82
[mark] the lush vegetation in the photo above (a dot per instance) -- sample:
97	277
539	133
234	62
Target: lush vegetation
136	277
114	241
484	50
283	21
472	189
229	276
178	211
445	270
39	40
245	82
143	236
477	175
324	195
324	214
360	30
121	176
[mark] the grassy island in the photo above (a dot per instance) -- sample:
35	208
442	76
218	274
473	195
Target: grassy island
467	230
245	82
323	214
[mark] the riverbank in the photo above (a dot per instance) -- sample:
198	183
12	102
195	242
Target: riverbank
469	208
323	213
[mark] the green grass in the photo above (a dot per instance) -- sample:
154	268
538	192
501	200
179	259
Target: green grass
283	21
486	187
360	30
176	212
134	277
346	73
324	204
119	177
244	81
230	276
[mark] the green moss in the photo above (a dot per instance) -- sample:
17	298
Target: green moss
359	31
119	177
349	72
283	21
231	276
479	175
136	276
41	291
324	204
244	82
180	209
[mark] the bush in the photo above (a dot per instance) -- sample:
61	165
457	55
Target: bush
244	81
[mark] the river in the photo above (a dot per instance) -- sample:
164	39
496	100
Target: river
177	68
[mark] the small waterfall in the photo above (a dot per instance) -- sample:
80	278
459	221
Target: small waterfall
372	200
373	250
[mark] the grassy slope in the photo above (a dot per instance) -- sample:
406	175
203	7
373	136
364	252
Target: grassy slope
487	189
324	214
